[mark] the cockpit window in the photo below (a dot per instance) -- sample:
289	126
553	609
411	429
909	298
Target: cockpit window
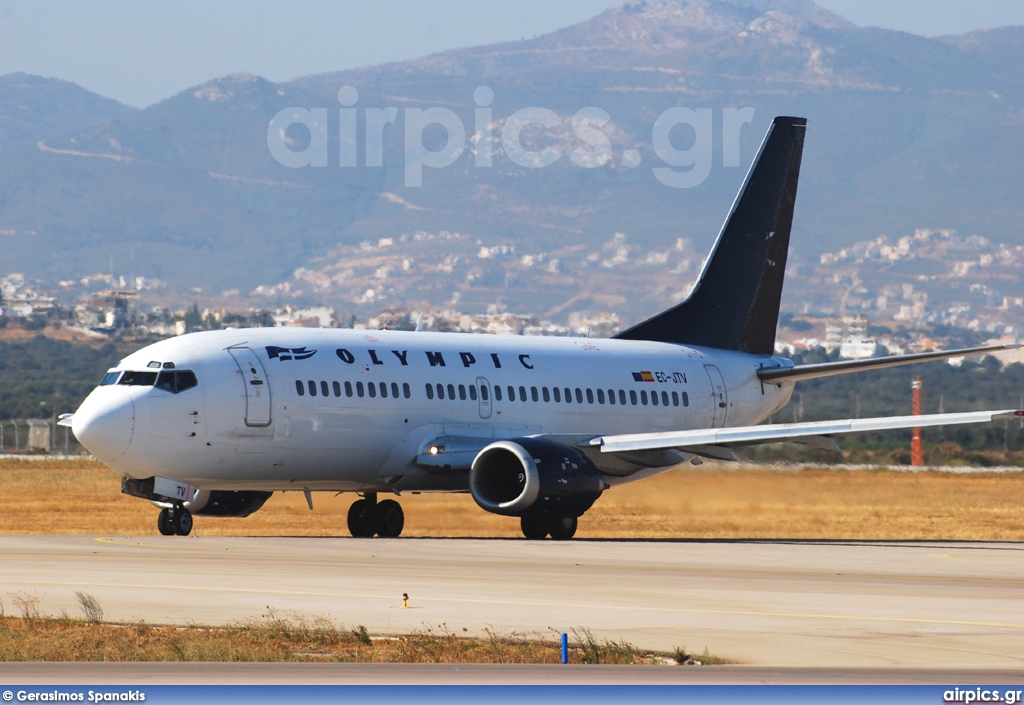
176	381
109	378
138	379
186	380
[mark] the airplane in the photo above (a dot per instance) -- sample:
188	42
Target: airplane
212	423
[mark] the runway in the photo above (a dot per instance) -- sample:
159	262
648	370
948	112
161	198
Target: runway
777	604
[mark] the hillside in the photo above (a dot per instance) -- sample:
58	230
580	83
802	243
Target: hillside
905	133
33	108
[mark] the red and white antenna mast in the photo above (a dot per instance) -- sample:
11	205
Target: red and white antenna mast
916	449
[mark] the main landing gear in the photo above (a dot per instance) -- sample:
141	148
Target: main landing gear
174	521
558	528
368	517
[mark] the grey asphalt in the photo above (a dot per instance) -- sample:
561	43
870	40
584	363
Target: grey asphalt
844	606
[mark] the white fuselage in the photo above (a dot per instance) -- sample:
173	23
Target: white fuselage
353	415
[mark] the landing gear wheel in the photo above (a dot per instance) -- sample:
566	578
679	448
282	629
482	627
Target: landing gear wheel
562	529
163	522
361	519
389	519
181	521
534	528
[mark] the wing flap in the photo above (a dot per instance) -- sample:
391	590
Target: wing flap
777	433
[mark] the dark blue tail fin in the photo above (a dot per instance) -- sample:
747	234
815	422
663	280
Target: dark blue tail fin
735	303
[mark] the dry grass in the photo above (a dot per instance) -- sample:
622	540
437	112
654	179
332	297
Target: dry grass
82	496
272	638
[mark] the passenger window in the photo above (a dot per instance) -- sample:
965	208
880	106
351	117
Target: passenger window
632	396
406	390
430	390
348	389
664	398
643	397
675	398
383	390
336	386
359	390
533	394
511	393
600	396
611	396
484	394
568	396
579	395
394	389
622	397
440	391
522	393
654	398
312	388
557	394
497	392
462	392
686	399
590	395
451	392
299	389
472	392
371	389
109	378
545	393
324	391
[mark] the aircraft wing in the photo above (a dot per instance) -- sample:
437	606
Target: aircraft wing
815	432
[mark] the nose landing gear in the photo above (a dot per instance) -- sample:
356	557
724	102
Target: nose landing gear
174	521
368	517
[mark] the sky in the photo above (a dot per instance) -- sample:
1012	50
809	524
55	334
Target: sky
142	52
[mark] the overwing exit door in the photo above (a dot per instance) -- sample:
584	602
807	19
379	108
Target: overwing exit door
485	397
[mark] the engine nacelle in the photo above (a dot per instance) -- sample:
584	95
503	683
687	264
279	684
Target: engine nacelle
227	503
534	477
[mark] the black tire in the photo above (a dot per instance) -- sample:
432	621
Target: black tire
562	529
534	528
389	519
360	519
181	521
163	522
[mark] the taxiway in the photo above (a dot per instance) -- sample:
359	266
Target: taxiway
820	604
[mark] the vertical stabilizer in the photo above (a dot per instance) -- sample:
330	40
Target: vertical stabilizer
735	303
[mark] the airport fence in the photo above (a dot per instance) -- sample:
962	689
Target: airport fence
37	437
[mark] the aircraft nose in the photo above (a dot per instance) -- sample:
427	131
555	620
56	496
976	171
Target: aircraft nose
105	422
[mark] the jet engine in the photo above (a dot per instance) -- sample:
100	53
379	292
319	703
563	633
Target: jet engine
527	477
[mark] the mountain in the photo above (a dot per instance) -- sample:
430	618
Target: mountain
33	108
905	132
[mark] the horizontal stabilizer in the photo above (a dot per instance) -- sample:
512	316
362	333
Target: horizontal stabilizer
842	367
